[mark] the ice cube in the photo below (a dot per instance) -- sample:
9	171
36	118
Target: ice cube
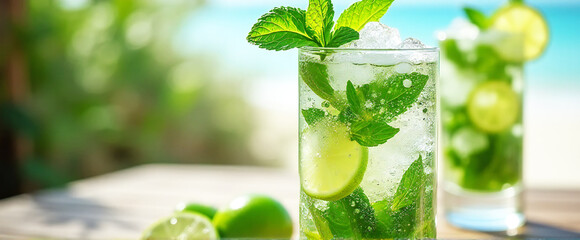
377	35
411	43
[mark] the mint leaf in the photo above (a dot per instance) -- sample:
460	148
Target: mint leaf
360	214
313	115
370	133
410	186
347	116
342	36
319	18
282	28
353	99
405	96
320	222
427	229
351	217
398	224
338	222
393	96
401	214
315	75
476	17
360	13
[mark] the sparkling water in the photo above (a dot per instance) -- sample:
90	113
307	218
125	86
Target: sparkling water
374	209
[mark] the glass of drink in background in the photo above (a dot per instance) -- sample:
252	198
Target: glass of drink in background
368	142
482	114
481	100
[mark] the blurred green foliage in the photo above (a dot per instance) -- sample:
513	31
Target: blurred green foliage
109	89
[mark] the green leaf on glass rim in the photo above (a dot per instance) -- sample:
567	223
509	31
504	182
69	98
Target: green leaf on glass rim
313	115
360	13
370	133
410	187
319	18
282	28
342	36
353	99
477	17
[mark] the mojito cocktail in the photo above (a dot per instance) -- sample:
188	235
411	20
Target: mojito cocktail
368	122
482	115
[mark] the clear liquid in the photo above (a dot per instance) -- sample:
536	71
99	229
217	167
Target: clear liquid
387	162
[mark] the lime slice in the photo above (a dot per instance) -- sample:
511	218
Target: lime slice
182	226
331	165
522	20
493	106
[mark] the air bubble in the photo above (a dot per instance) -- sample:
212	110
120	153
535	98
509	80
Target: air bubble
407	83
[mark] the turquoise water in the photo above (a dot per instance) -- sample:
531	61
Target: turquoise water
220	31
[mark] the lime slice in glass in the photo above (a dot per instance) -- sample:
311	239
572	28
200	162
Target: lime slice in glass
522	20
331	165
493	106
186	226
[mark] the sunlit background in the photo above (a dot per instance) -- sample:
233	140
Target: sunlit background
107	85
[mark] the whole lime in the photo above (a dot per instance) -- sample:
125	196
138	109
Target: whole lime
253	216
203	209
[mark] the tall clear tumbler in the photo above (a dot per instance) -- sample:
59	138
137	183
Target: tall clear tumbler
368	142
481	103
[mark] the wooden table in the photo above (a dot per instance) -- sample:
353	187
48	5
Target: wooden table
120	205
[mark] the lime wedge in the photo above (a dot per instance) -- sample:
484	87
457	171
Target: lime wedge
182	226
493	106
331	165
522	20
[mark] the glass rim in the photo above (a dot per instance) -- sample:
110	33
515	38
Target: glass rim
336	49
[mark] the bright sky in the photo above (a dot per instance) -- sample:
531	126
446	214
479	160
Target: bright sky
341	3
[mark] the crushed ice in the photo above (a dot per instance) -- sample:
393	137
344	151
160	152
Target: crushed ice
378	36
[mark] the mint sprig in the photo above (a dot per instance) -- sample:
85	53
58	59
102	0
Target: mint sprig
372	133
319	18
360	13
342	36
284	28
368	108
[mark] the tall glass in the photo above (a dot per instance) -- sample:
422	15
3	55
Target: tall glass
368	143
481	102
